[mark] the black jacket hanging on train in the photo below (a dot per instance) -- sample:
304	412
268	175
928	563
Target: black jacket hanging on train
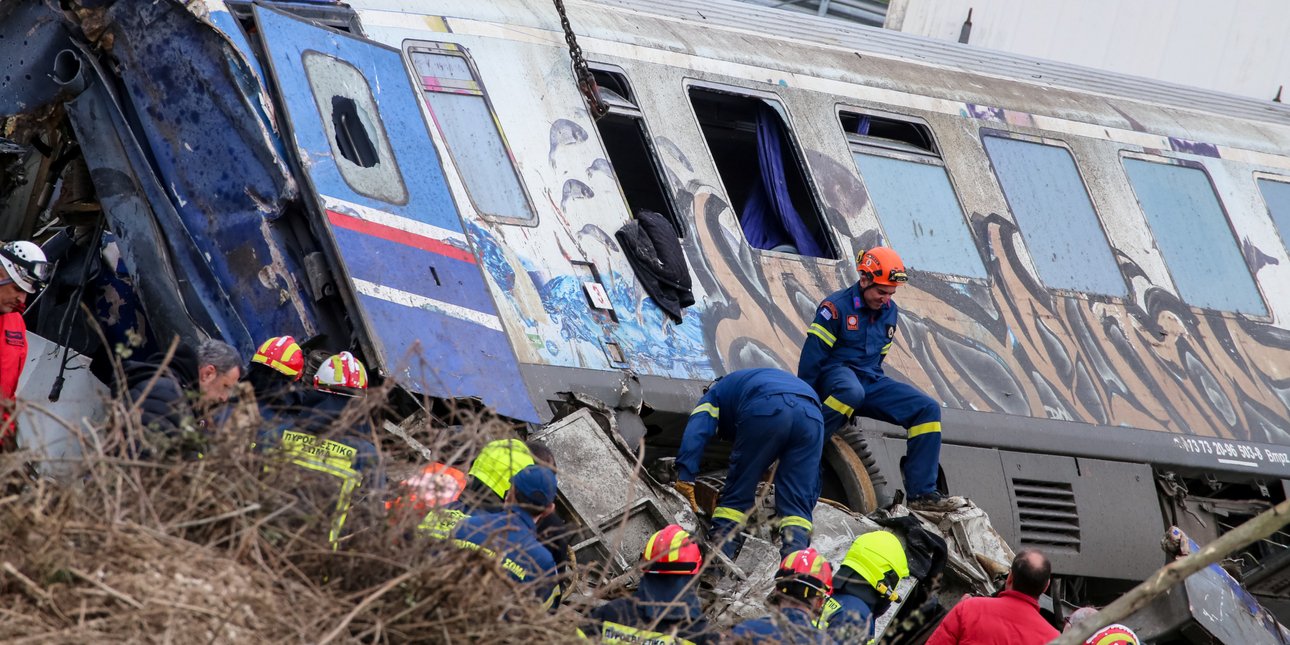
655	254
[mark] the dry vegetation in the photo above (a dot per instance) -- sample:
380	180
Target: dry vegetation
225	549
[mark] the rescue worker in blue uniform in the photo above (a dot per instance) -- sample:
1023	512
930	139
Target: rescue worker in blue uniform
842	359
769	414
510	536
864	586
802	585
665	607
337	464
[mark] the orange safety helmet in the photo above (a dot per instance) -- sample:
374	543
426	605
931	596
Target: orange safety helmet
883	265
672	551
283	355
341	374
804	573
433	486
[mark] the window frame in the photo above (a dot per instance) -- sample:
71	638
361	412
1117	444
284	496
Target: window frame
677	218
936	158
381	137
1260	175
1158	157
1046	139
777	103
411	46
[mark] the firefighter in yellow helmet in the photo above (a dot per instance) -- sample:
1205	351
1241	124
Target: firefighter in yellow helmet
864	586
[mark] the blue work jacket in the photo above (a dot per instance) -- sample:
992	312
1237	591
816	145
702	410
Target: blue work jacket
846	332
719	411
510	538
791	625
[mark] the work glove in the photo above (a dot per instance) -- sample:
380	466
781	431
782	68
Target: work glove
686	489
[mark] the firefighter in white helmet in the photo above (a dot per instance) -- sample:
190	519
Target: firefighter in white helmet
23	270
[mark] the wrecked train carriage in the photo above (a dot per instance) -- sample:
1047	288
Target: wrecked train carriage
432	188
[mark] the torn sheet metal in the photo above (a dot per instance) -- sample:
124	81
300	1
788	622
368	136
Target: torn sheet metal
212	154
31	35
617	504
1210	606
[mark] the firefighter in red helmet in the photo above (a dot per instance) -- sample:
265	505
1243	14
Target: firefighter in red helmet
666	604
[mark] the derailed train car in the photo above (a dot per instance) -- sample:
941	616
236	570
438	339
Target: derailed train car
1099	275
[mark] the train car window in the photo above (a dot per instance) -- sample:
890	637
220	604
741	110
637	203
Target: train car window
1194	236
1276	194
358	140
911	192
762	171
631	151
464	118
1056	217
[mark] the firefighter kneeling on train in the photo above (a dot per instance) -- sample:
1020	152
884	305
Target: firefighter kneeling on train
769	414
509	537
864	587
665	607
802	585
845	345
335	460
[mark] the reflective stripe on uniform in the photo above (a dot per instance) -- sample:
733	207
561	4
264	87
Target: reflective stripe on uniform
885	348
795	520
617	633
841	408
440	522
823	334
712	410
831	606
330	458
726	513
924	428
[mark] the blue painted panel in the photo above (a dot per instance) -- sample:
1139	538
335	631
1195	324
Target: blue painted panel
182	85
406	268
463	357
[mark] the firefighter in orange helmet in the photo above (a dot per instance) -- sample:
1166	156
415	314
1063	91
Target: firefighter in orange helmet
803	583
666	603
842	359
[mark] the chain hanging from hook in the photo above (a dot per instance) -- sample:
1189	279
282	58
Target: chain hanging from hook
586	81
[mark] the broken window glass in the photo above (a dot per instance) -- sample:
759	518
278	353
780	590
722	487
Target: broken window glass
358	140
1194	236
1055	215
631	151
911	192
763	172
464	119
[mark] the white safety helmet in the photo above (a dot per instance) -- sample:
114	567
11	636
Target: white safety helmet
26	265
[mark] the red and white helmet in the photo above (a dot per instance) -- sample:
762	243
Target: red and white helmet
282	354
341	374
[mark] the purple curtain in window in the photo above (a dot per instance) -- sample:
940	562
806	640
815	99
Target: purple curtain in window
769	219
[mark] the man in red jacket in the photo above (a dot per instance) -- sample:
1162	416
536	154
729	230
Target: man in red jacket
1011	618
23	269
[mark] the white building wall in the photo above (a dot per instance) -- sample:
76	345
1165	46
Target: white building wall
1235	46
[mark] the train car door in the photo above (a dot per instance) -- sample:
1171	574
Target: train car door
416	287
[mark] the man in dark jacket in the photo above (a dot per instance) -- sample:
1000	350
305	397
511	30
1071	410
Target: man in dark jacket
666	604
510	537
864	586
173	399
802	585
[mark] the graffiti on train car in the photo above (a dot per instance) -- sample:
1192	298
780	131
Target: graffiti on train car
1012	346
